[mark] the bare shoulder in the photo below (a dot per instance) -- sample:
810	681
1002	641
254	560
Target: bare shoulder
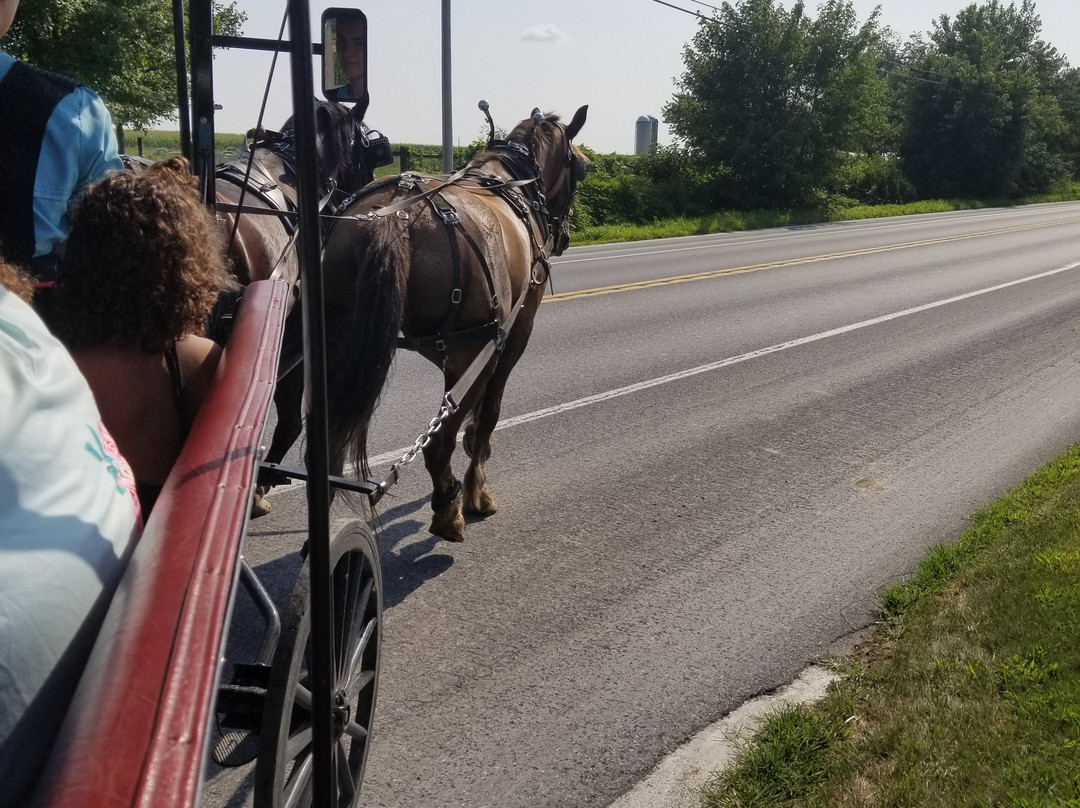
199	359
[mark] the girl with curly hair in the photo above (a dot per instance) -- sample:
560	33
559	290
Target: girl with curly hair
145	264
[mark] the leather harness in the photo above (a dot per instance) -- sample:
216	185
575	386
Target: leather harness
523	194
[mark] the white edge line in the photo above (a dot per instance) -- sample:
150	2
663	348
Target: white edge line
517	420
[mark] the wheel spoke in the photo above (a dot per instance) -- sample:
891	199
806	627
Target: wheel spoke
346	786
302	697
298	743
358	651
356	731
353	611
298	784
343	597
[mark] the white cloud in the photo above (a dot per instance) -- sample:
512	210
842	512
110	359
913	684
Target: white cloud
544	32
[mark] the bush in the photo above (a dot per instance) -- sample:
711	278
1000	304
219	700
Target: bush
874	179
661	184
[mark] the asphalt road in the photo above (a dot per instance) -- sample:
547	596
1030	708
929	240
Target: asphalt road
715	453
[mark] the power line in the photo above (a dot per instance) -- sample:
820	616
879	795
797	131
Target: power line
909	76
679	8
916	69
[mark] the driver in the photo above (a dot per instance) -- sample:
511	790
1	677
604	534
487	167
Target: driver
350	44
59	139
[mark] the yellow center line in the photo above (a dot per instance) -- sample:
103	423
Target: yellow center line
813	259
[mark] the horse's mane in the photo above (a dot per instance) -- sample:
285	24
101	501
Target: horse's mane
541	137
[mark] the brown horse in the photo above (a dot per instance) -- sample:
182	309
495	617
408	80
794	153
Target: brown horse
458	263
261	238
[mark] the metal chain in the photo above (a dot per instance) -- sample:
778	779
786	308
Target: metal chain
445	411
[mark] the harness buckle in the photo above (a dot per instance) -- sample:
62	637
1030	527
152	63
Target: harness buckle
440	346
455	296
449	216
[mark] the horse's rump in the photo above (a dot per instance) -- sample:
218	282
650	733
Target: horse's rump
489	244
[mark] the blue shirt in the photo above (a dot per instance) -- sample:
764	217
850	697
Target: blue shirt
79	149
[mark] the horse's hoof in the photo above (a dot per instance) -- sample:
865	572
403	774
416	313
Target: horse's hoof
449	524
260	505
449	534
483	506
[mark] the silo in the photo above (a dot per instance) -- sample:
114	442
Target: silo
645	132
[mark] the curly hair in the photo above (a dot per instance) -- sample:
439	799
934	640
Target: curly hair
145	261
17	281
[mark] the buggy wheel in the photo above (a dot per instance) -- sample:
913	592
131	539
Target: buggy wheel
285	766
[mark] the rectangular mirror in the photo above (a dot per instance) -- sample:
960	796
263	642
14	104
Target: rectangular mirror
344	37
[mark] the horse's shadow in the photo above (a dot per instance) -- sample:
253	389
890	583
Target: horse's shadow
407	564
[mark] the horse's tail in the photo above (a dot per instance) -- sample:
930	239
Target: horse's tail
366	268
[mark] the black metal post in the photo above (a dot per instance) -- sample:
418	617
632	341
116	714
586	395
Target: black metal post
318	485
202	92
447	93
183	100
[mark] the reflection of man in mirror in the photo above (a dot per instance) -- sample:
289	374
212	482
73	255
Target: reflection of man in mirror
350	45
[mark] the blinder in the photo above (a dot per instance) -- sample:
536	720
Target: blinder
376	146
578	167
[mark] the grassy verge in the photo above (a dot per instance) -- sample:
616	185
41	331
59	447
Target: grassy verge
734	221
969	693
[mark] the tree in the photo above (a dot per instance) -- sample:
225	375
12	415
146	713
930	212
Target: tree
775	100
123	49
983	117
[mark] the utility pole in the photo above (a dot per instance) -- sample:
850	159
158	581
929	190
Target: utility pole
447	116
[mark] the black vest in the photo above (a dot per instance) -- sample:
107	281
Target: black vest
28	96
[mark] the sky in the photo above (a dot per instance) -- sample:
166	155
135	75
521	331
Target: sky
621	57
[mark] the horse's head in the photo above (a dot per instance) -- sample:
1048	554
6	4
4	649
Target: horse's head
560	162
338	145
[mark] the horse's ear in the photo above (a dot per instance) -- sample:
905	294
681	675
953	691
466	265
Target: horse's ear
536	111
323	119
579	121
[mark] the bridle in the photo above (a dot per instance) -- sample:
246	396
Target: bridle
573	174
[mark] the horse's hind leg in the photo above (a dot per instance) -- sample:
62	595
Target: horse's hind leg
447	519
289	393
288	401
477	496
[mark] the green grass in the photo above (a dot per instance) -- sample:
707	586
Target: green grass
969	693
159	144
735	221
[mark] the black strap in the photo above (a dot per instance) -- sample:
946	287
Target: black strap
28	97
449	215
172	363
481	333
